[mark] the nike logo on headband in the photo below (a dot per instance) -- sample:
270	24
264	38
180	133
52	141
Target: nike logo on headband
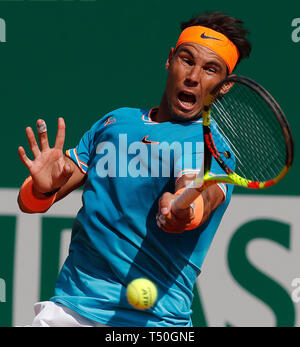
203	36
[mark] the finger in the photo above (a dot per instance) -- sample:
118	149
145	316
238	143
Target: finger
24	159
161	226
158	222
43	135
172	225
61	133
167	228
61	177
173	221
32	142
165	204
162	219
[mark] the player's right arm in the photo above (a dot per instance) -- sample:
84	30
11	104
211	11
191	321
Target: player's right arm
175	220
51	171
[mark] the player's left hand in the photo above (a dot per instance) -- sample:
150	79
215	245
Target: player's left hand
171	220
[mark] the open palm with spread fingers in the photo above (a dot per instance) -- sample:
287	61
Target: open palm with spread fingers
49	169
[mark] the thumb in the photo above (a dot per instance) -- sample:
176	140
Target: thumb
68	170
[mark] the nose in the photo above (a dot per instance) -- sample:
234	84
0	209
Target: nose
193	78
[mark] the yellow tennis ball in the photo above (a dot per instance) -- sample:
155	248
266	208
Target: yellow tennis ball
141	293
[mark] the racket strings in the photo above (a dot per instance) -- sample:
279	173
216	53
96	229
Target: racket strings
238	154
252	132
224	116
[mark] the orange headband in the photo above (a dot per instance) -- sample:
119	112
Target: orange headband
213	40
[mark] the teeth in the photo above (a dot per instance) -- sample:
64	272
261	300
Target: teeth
186	103
186	99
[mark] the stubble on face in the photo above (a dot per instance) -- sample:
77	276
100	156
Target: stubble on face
193	71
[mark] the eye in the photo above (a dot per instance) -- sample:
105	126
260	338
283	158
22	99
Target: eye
188	61
210	69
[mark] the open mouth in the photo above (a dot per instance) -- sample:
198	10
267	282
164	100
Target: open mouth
187	100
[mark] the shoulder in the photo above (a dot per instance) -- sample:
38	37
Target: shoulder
126	111
114	115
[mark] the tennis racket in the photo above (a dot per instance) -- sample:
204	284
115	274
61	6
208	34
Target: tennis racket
247	134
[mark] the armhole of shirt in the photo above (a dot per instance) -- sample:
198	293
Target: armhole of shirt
72	154
223	188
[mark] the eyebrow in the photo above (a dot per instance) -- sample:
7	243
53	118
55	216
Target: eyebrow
215	64
186	51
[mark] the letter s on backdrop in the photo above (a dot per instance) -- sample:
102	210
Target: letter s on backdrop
296	32
296	292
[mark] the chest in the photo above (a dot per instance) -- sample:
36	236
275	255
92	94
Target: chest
144	149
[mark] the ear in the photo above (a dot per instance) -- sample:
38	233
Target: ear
226	87
169	60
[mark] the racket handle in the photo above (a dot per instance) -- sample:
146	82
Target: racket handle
184	200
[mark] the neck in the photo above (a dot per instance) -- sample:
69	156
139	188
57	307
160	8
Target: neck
163	114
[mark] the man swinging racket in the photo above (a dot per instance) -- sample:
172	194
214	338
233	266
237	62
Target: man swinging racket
126	228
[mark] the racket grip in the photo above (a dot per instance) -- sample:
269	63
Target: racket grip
184	200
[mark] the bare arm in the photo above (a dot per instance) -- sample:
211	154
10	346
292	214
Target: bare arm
176	221
50	170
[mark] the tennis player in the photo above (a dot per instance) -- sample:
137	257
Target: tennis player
126	228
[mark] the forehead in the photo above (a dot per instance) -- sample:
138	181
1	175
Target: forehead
199	52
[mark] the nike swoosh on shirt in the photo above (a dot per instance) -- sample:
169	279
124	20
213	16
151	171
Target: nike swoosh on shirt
149	142
109	121
203	36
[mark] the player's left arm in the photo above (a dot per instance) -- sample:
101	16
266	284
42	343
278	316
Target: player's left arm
177	221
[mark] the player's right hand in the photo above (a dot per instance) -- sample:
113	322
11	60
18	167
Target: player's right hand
172	220
49	169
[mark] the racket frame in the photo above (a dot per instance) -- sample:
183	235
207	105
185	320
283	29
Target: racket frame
204	178
210	149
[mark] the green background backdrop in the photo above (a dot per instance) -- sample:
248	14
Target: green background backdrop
81	59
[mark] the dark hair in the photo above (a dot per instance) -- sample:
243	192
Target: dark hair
229	26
